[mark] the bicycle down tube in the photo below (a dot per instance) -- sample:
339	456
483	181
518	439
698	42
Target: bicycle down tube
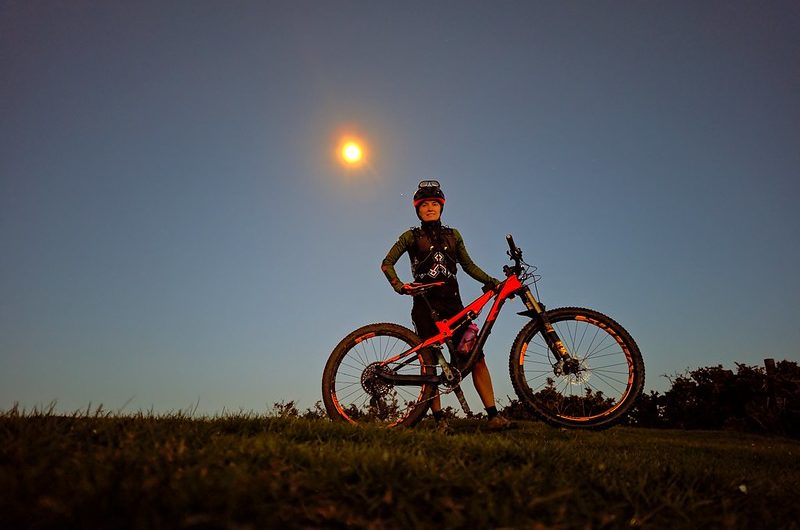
505	290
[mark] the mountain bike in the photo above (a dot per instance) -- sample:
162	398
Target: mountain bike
573	367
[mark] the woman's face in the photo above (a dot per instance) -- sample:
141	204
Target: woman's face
430	210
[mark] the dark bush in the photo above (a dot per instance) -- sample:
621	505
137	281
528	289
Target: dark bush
715	398
749	399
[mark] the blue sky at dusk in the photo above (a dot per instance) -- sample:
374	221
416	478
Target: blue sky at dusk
176	229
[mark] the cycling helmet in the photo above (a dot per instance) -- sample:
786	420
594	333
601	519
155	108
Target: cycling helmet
428	190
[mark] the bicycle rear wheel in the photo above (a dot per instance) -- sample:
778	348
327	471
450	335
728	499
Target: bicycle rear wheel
596	389
352	390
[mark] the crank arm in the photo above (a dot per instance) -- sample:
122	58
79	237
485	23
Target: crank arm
462	400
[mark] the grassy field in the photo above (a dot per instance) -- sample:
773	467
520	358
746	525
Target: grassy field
240	471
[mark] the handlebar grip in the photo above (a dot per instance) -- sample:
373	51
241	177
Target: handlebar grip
511	244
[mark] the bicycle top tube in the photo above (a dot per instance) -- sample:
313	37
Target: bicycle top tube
505	289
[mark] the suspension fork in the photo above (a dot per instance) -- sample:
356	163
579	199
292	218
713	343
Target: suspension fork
537	310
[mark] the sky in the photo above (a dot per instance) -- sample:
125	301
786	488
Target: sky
178	234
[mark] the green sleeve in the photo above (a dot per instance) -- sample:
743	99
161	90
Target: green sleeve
468	265
405	240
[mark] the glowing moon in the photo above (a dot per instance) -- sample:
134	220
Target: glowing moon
351	153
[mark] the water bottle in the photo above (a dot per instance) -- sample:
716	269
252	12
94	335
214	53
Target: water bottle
468	339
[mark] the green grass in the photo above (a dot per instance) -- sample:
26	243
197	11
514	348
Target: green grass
244	471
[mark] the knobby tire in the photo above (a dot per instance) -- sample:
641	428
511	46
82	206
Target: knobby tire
608	381
351	391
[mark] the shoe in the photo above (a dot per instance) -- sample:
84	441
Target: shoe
499	423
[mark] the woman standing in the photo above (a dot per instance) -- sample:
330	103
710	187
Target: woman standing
434	251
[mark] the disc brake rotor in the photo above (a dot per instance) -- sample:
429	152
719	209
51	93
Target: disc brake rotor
574	371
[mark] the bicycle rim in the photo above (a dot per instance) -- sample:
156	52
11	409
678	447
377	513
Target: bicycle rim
355	393
604	380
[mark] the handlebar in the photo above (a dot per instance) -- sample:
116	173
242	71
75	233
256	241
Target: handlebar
513	251
415	289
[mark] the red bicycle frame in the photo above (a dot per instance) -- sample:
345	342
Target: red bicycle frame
448	326
508	288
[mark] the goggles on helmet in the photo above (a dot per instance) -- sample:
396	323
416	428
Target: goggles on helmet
428	190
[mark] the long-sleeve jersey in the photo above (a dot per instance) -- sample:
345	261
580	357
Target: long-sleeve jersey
434	254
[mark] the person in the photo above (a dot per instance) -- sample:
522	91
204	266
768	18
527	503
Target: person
434	251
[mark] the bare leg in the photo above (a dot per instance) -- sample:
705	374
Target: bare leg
483	383
436	403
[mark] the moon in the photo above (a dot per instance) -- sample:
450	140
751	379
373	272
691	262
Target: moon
352	153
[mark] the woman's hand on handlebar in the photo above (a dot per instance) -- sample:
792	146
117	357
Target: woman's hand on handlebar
491	286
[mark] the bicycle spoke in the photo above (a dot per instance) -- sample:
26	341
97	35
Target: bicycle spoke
591	385
358	351
598	349
361	393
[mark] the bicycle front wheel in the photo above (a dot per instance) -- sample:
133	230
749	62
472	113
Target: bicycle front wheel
596	388
352	389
